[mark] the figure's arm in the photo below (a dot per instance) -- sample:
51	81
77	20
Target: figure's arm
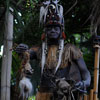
33	54
76	55
85	74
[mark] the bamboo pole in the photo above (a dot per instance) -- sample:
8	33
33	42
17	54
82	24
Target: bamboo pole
7	57
96	72
88	97
91	94
85	97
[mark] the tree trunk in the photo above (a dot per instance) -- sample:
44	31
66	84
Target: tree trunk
7	56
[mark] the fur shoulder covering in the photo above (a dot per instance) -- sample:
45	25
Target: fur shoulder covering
71	52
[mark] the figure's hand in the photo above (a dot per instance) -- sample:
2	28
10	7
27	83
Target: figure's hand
21	48
80	85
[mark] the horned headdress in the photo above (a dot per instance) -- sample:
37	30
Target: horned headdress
51	13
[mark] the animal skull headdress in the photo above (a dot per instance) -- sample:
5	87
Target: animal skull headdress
51	13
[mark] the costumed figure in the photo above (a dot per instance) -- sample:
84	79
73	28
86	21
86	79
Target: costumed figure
59	63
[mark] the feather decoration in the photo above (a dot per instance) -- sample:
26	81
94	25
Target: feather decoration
43	56
26	87
63	23
42	12
61	47
45	14
60	10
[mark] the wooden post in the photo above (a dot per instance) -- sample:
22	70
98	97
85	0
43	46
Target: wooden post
7	57
96	71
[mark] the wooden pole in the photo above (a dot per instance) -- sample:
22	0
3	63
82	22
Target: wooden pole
85	97
91	94
96	71
7	57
